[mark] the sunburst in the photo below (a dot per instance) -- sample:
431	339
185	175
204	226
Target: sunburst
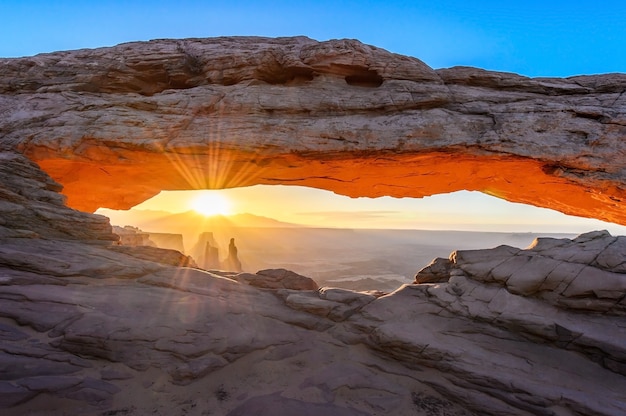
211	203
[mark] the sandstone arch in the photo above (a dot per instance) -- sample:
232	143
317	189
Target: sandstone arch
117	125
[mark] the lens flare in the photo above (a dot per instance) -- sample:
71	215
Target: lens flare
211	203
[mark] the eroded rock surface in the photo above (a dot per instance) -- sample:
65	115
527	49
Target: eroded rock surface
117	125
587	273
31	206
90	329
277	279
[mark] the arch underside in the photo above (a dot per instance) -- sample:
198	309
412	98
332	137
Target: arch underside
90	186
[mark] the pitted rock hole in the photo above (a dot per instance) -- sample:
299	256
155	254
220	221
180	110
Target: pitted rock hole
366	78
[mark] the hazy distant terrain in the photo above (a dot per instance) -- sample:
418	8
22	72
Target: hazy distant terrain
352	258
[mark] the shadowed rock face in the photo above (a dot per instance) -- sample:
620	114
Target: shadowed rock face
31	206
117	125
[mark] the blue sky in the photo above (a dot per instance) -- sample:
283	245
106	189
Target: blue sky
533	38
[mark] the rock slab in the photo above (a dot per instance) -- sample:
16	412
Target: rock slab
86	329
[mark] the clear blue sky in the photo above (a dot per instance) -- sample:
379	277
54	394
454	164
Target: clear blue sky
533	38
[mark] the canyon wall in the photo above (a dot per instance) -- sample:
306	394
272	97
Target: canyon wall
117	125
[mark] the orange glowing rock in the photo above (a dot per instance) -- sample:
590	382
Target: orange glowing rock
337	115
514	179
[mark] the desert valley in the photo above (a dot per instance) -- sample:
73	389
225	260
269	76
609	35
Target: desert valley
356	259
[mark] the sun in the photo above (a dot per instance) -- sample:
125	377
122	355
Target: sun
211	203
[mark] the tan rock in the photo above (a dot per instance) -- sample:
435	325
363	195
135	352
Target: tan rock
437	271
310	304
157	255
337	115
277	279
132	236
30	206
564	272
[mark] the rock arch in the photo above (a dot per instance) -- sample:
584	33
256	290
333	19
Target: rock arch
117	125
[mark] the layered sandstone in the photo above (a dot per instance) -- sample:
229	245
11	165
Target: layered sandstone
116	125
31	206
94	329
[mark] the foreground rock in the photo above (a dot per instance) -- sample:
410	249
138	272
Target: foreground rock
337	115
31	206
87	329
158	255
277	279
587	273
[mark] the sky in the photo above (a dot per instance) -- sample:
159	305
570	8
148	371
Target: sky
532	38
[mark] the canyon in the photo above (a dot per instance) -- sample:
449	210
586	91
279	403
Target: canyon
88	326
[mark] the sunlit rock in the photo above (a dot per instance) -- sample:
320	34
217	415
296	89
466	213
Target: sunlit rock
437	271
117	125
535	319
232	262
206	251
90	327
168	240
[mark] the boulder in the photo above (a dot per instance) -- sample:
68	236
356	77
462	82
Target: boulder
277	279
437	271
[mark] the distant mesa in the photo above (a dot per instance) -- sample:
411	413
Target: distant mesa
205	254
167	240
205	251
205	238
211	259
133	236
137	243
